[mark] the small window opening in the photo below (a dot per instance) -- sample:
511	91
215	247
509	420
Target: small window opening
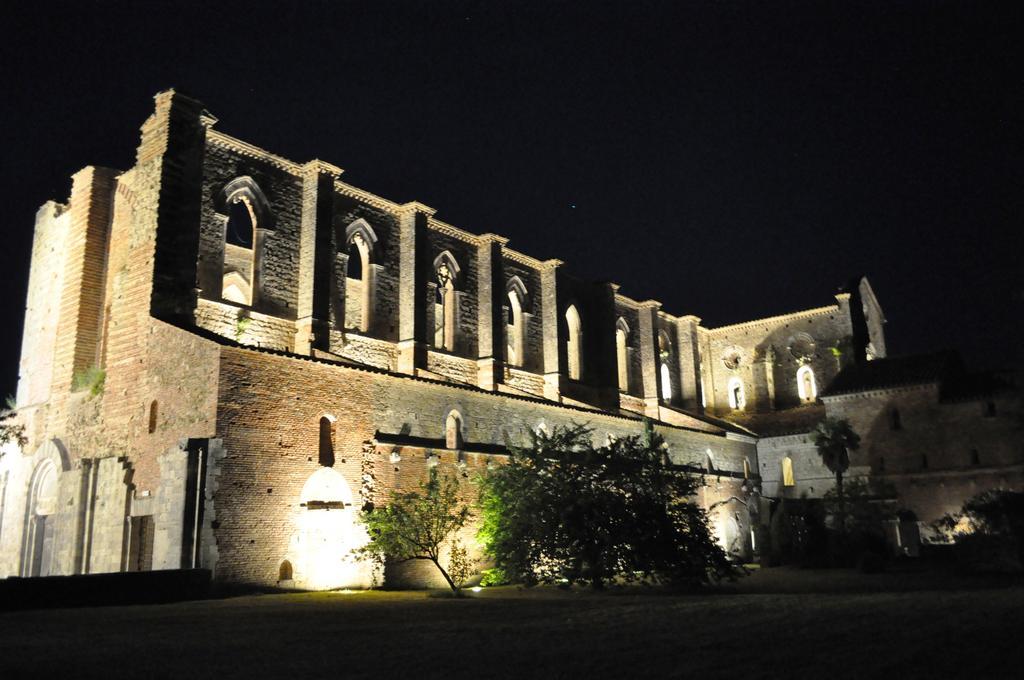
453	431
153	412
990	409
895	422
975	457
737	399
285	572
924	461
621	355
806	385
881	463
574	343
326	442
787	472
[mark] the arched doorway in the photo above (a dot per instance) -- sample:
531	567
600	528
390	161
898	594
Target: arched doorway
40	525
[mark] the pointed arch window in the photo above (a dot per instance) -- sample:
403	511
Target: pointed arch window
574	343
359	276
515	330
622	354
239	252
446	271
247	214
737	397
806	385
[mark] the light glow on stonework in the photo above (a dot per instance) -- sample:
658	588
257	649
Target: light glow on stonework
327	534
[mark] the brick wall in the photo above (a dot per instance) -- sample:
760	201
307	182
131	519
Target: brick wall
268	419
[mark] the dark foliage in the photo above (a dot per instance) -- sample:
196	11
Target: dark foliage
988	530
565	511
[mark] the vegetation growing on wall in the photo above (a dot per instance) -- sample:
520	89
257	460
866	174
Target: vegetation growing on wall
91	379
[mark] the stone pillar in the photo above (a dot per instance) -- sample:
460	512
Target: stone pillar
174	139
82	295
552	329
107	512
316	257
689	362
647	339
769	376
490	323
414	268
179	505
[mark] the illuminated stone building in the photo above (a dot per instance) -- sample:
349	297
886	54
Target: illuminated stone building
227	354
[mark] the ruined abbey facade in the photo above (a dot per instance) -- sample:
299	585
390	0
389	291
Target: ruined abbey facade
228	354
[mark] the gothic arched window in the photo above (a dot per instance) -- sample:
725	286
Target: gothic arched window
516	327
247	214
446	271
359	279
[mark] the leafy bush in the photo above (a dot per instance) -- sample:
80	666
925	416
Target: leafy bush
564	511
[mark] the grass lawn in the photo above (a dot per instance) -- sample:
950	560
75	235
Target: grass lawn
775	624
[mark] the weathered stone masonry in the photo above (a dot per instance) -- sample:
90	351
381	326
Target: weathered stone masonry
228	354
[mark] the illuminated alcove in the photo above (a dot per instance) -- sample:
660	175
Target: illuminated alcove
327	530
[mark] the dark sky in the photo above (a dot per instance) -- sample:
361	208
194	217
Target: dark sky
732	160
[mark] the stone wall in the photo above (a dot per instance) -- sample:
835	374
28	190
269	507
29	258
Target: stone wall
770	352
942	452
269	414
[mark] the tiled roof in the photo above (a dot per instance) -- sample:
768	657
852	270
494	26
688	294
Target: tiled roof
790	421
918	369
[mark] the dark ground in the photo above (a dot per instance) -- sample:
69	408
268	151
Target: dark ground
778	623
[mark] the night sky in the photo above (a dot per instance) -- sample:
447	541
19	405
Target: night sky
732	160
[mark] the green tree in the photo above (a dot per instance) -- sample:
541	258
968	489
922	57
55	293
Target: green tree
835	439
10	429
563	510
415	525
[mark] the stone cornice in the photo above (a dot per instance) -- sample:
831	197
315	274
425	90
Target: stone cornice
366	197
317	165
412	206
454	232
878	391
522	258
218	138
493	238
817	311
